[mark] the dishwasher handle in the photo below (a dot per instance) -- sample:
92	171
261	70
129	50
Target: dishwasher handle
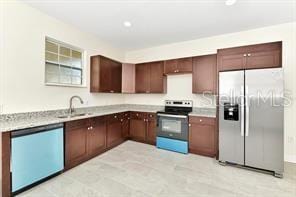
34	130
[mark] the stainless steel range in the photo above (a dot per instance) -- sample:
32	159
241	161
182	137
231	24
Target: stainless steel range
172	126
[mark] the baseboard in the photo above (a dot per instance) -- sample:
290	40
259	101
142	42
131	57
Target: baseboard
290	158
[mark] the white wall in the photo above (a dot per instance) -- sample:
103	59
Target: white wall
23	31
182	84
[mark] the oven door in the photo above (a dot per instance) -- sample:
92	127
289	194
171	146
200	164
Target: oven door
172	126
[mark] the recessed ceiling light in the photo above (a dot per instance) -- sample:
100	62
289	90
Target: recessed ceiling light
127	23
230	2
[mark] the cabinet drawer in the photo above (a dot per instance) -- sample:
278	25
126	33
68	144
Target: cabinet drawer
76	124
114	117
202	120
138	115
151	116
98	120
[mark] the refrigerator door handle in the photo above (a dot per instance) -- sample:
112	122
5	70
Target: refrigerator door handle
247	111
242	105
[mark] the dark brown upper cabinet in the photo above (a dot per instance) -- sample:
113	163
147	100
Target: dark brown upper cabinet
178	66
150	78
268	55
204	74
105	75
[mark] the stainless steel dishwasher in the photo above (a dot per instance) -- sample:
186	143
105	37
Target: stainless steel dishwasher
36	154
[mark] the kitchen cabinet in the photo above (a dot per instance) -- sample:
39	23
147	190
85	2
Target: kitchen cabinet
143	78
97	136
151	128
125	125
105	75
204	76
202	136
178	66
150	78
84	139
138	126
114	130
76	137
268	55
143	127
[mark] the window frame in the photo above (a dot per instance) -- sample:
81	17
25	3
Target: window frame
83	63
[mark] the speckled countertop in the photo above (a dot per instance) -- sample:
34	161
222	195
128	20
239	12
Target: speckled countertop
18	121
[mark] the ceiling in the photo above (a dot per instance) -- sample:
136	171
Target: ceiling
157	22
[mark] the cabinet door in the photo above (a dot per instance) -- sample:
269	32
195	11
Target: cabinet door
204	74
95	74
138	129
232	62
184	65
125	125
142	78
116	76
151	129
170	66
114	131
202	136
97	136
157	79
105	72
265	59
76	136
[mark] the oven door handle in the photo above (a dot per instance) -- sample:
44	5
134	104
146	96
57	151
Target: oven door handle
172	116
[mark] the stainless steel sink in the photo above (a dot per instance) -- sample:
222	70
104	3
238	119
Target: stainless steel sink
75	115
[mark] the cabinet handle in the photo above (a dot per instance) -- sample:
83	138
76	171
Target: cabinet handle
177	71
91	128
245	55
189	125
112	91
115	116
200	120
249	54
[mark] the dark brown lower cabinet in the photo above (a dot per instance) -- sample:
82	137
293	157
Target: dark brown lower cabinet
114	130
138	126
97	136
143	127
151	128
76	142
202	136
125	125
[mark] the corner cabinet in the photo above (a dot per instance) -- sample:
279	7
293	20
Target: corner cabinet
105	75
202	136
150	78
268	55
204	76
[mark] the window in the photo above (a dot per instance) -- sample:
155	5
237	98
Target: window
63	64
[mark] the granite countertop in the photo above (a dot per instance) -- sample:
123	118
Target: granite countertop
18	121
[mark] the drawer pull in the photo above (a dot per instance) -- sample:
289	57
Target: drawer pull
200	120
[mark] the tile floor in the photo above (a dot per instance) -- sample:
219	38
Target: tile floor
140	170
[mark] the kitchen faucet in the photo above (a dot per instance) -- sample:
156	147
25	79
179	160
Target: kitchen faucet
71	108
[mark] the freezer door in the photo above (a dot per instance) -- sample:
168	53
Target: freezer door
231	117
264	119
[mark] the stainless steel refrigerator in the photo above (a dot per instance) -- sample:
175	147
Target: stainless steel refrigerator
251	118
